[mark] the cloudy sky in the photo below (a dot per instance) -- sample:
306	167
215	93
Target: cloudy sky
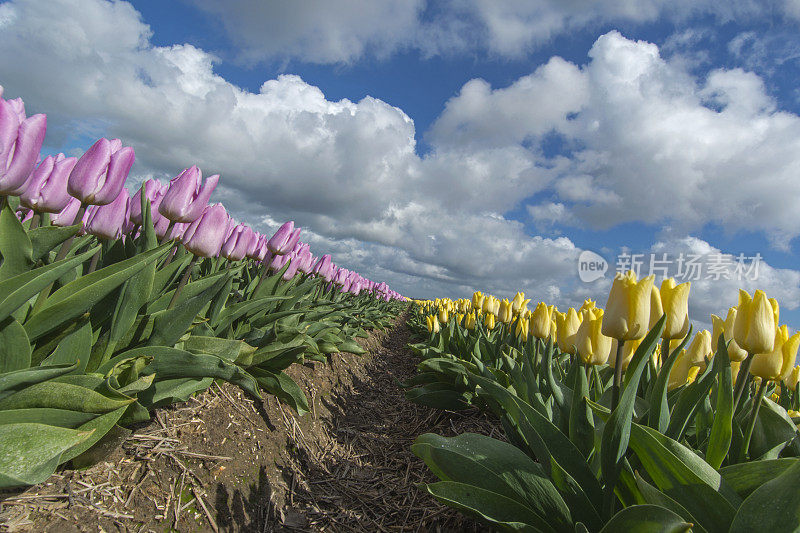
452	145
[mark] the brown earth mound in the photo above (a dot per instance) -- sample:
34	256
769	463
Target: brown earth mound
223	462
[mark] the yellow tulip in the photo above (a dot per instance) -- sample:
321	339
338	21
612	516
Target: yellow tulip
735	353
675	300
469	321
522	328
777	364
489	321
656	309
433	323
587	304
792	378
682	372
627	313
735	365
592	345
519	302
488	305
700	349
567	325
477	300
628	349
505	313
540	321
755	323
443	315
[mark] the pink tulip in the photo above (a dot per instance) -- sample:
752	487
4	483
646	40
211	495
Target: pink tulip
21	141
204	237
100	173
185	199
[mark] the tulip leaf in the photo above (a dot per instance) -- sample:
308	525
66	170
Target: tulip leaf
774	506
18	379
15	246
440	396
15	292
654	496
46	415
99	426
74	348
228	349
646	519
689	400
658	415
170	324
171	391
57	395
490	506
744	478
774	427
30	452
77	297
15	348
581	422
45	239
283	387
233	313
616	434
722	428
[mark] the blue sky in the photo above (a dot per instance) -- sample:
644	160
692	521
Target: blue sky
454	145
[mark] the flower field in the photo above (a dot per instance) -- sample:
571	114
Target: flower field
120	311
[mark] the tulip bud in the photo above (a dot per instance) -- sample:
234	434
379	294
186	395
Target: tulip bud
627	313
522	328
593	347
656	309
185	198
675	299
106	221
284	239
735	353
699	350
504	312
682	372
21	141
519	302
477	300
489	321
540	321
204	237
99	175
443	317
567	325
154	193
66	216
777	364
46	192
237	243
792	378
755	323
469	321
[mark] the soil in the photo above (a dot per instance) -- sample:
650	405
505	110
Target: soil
225	462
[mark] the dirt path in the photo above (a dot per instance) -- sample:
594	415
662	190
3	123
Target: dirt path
224	462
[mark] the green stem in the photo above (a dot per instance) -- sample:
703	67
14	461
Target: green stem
165	238
617	375
93	264
187	273
741	380
35	221
753	415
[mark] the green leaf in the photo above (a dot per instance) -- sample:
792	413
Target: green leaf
17	379
74	348
61	396
47	416
654	496
15	348
439	396
171	391
351	346
581	422
744	478
45	239
99	426
230	314
658	415
228	349
490	506
15	292
773	427
283	387
15	246
722	428
77	297
30	453
774	506
646	519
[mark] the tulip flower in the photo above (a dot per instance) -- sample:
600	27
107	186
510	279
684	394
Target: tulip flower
699	350
284	239
154	193
238	242
205	236
675	301
66	217
682	372
628	350
627	313
489	321
755	323
469	321
540	321
504	312
725	328
587	304
522	327
290	272
106	221
432	323
99	175
593	347
777	364
567	325
519	302
185	199
656	309
443	316
477	300
21	141
46	192
792	378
